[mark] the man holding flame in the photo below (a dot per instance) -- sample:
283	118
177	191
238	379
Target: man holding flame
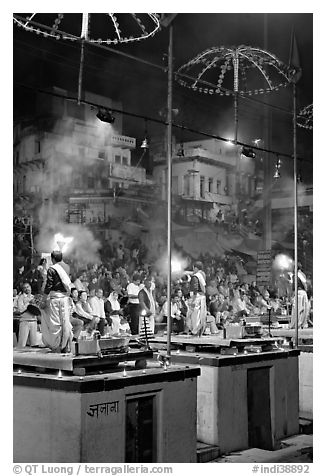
55	318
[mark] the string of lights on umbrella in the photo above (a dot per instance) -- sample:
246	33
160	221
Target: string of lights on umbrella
231	69
305	117
83	30
141	26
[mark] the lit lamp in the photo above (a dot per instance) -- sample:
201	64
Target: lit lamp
144	144
277	174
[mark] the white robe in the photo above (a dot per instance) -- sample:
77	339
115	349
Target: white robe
56	327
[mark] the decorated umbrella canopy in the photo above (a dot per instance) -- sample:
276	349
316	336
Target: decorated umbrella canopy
305	117
95	28
230	70
108	28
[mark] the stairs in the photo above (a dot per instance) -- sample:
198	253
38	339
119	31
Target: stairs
206	453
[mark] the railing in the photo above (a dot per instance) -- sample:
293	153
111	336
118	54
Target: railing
125	172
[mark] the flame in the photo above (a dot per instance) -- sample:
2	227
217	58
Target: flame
283	263
61	243
176	266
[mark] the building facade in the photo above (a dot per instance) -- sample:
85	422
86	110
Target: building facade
69	161
207	176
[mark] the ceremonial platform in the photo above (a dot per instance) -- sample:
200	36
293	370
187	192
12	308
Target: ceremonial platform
35	358
112	416
248	384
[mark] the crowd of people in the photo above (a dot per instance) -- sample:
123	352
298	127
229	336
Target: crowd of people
126	294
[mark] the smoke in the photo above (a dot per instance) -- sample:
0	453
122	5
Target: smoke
84	248
284	223
69	153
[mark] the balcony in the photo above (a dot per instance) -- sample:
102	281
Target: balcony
126	172
124	142
210	197
200	153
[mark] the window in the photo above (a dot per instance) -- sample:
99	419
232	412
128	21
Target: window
218	186
101	154
77	181
202	186
90	182
210	185
124	160
117	159
37	147
17	158
175	185
104	182
186	185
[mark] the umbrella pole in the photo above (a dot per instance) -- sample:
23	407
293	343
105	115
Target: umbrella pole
169	191
81	69
236	116
84	35
236	94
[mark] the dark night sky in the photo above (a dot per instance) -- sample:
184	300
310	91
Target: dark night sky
41	62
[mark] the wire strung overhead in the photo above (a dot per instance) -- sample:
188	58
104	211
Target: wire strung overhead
158	121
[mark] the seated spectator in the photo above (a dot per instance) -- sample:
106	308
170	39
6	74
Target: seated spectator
238	304
177	321
96	302
77	324
35	279
84	312
80	283
262	302
114	315
211	288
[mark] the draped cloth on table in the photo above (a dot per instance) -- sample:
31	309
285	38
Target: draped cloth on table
55	322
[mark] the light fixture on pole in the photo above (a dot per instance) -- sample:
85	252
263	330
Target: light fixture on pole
105	115
277	174
145	143
248	152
